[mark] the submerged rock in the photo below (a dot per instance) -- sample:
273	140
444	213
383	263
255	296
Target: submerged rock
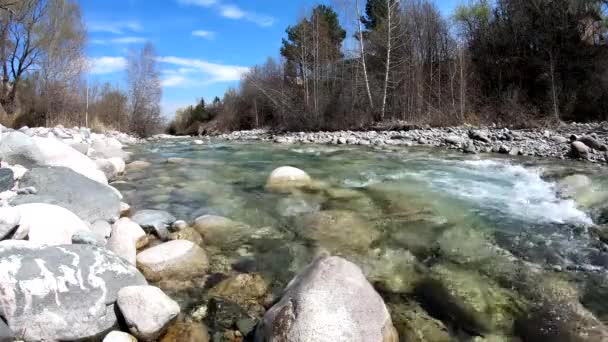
472	301
414	324
88	199
338	230
146	310
286	178
186	332
330	300
220	231
176	260
61	293
243	289
187	233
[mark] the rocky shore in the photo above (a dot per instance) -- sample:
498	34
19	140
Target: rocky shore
76	263
569	141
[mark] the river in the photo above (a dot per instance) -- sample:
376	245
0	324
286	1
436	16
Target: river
382	208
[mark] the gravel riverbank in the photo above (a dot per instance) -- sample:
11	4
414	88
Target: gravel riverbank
576	141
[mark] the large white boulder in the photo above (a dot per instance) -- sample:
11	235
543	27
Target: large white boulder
18	148
48	224
286	177
329	301
147	310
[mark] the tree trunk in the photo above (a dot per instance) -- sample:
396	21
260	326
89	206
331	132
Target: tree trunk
389	38
362	52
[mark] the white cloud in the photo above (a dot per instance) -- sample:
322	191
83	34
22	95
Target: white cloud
128	40
210	72
203	34
118	27
107	65
174	81
232	11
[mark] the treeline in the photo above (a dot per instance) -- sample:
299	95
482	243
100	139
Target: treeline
44	66
356	64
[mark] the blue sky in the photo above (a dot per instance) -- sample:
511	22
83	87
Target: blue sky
203	45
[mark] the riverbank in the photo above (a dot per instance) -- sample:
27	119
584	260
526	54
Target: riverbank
569	141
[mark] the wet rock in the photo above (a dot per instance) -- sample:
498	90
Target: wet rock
470	148
127	236
146	310
414	324
189	234
125	209
579	150
391	270
119	336
220	231
225	315
155	221
186	332
107	167
179	225
504	149
582	190
9	220
61	186
138	165
62	293
330	300
243	289
286	178
338	230
7	179
18	148
178	259
472	301
48	224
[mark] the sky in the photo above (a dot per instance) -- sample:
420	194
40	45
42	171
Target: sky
204	46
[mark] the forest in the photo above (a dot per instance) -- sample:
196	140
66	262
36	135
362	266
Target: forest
357	64
44	67
350	64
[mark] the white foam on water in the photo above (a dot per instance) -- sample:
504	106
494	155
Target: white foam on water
519	191
496	185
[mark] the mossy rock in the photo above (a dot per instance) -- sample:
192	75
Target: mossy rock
243	289
473	302
186	332
338	231
189	234
414	324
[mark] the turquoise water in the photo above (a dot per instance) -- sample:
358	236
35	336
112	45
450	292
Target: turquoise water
376	207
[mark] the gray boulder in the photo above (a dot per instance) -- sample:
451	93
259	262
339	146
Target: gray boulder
18	148
87	237
155	221
6	335
330	300
593	143
88	199
147	310
62	293
174	260
579	150
7	179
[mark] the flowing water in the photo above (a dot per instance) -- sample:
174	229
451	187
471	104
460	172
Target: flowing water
380	204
